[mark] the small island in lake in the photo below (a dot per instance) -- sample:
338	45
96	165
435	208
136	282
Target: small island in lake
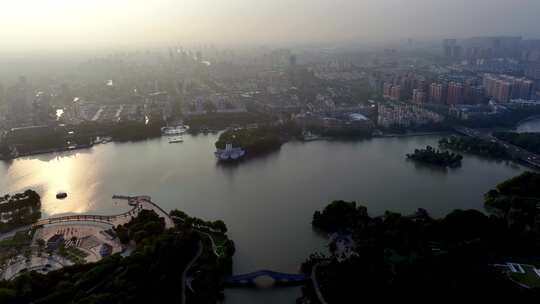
240	143
432	156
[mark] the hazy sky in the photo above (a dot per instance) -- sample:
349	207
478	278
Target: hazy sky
61	24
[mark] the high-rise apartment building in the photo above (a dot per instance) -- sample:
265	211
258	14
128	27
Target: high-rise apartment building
396	93
502	88
437	93
419	96
455	93
387	90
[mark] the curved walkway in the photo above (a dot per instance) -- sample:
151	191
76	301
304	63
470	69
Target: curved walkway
316	283
196	228
139	203
214	247
183	283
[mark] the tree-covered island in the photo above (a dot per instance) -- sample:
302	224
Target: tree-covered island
258	140
432	156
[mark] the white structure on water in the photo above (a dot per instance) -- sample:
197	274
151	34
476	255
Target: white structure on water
230	153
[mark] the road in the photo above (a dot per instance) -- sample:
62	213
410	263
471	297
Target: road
517	152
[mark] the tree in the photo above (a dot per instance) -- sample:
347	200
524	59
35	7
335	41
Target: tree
220	226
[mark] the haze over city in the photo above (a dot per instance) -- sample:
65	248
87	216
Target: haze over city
76	24
269	151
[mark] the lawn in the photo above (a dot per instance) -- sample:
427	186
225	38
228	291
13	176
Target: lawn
529	278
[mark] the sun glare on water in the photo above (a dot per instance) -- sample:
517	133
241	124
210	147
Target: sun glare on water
50	175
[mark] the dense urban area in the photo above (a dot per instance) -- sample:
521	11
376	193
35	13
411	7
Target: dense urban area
483	82
472	91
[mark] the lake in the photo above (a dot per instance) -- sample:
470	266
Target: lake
268	202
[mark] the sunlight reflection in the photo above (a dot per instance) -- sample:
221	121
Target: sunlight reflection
51	175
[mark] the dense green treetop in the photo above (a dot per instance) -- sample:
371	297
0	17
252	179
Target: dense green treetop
397	256
153	273
436	157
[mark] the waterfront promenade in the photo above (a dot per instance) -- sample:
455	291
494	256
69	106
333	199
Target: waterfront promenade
86	233
139	203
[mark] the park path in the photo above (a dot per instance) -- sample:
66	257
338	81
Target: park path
316	283
183	283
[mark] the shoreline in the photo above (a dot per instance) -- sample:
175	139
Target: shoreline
325	138
412	134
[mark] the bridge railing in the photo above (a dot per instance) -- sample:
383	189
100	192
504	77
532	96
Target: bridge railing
105	218
277	276
85	217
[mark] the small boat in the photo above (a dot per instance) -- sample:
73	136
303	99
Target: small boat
106	140
61	195
176	140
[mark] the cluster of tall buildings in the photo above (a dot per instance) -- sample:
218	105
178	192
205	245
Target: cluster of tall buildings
499	87
419	96
398	114
455	93
444	93
503	88
452	49
486	47
402	87
497	54
392	92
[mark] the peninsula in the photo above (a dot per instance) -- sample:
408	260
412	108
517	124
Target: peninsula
461	254
176	257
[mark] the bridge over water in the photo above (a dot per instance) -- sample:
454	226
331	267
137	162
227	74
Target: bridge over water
279	278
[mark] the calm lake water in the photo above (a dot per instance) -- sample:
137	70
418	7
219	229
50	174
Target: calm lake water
268	202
